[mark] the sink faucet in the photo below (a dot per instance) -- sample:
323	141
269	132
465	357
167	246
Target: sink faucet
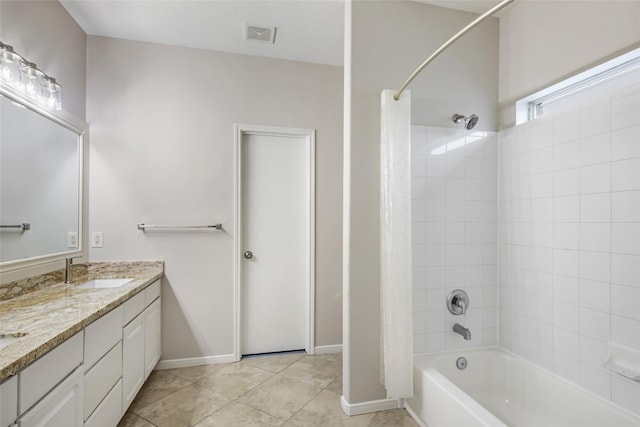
459	329
68	270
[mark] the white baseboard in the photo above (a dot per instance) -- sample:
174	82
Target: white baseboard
326	349
194	361
367	407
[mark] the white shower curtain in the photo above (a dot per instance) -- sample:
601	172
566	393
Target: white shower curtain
395	244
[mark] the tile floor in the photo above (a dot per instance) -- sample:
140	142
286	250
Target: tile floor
279	390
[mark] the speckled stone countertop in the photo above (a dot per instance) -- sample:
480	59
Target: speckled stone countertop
47	315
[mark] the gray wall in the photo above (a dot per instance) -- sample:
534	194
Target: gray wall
389	39
44	33
162	151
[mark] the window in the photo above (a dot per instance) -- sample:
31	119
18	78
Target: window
613	74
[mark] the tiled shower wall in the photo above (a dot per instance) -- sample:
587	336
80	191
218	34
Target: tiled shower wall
454	186
569	241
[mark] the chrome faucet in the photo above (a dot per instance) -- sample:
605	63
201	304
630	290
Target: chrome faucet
68	270
459	329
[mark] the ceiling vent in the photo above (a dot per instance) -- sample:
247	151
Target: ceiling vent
263	33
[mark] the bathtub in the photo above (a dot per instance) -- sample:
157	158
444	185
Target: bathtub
498	389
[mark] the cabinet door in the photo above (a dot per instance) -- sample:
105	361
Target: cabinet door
9	401
62	406
151	336
132	360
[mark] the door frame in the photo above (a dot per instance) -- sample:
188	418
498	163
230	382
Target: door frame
309	136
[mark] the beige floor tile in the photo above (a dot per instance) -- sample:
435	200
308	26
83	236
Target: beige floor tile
132	420
280	396
159	385
234	380
195	373
275	363
325	410
240	415
319	370
185	407
394	417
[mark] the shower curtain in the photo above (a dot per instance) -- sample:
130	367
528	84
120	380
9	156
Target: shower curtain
395	245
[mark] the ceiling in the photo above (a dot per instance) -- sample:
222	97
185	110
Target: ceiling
307	30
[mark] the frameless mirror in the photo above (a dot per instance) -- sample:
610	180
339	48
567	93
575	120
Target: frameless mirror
41	158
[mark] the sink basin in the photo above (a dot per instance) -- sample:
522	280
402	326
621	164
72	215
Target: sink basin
8	339
104	283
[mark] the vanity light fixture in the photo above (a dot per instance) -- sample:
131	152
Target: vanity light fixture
25	78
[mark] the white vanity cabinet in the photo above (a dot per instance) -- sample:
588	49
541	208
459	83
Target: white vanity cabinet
140	340
9	401
103	362
51	388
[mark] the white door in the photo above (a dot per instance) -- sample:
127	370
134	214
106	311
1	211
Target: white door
275	242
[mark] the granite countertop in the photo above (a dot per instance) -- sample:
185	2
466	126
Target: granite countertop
47	315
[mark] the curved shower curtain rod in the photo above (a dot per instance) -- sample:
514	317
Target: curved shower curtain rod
452	40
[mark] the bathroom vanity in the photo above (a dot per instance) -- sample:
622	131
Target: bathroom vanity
75	355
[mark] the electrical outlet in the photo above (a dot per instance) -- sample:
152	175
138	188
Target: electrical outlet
97	239
72	239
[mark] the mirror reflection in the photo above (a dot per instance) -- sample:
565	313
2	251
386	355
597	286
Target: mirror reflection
40	177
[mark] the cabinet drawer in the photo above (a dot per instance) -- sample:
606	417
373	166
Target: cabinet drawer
132	308
43	374
102	335
109	412
9	401
101	378
151	292
62	406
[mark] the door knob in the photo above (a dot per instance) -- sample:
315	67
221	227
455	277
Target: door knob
248	254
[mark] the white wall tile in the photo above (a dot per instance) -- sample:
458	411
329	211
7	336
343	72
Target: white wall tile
566	182
566	262
625	269
419	300
595	119
592	237
566	235
595	266
625	393
595	207
566	155
625	301
595	236
566	289
595	324
566	209
566	128
593	352
625	175
566	316
625	206
624	143
624	111
595	178
595	295
625	331
625	238
596	380
595	149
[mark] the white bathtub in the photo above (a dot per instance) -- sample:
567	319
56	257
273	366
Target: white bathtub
498	389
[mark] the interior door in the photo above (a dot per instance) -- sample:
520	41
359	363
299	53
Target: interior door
275	242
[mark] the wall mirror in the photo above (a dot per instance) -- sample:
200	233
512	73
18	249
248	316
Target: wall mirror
41	170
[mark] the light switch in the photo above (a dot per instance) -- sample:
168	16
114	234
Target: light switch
97	239
72	239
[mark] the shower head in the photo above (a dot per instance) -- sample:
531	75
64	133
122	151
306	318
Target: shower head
469	122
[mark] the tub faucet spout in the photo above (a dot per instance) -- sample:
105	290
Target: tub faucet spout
459	329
